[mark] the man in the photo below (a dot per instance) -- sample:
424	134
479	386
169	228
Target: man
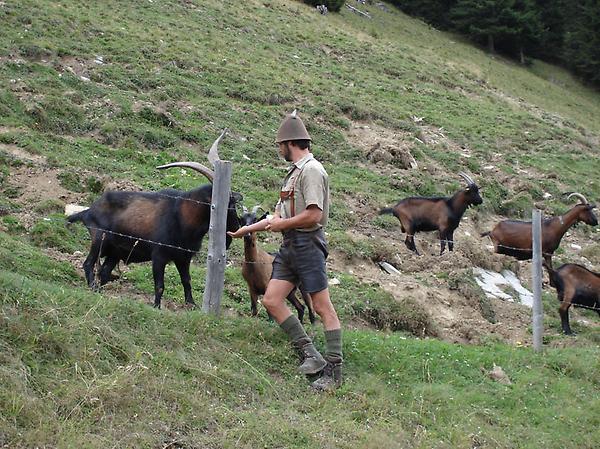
300	214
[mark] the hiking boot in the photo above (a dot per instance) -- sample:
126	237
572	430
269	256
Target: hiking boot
331	377
312	360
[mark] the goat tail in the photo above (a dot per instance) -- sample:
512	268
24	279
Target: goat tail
79	216
387	210
552	275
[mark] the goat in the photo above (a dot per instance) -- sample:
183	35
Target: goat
575	285
165	226
513	237
258	267
441	214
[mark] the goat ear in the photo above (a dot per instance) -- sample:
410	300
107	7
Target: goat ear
237	197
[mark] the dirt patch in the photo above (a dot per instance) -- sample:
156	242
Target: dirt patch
382	146
424	280
20	154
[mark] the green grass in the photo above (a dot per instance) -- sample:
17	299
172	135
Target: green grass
96	370
82	369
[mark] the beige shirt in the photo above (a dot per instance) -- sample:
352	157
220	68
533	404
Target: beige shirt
310	182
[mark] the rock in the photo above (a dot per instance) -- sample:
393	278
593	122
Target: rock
498	374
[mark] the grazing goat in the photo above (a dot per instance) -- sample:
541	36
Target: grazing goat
258	267
575	285
441	214
165	226
513	237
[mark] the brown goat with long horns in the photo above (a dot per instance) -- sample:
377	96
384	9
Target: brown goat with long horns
165	226
442	214
513	237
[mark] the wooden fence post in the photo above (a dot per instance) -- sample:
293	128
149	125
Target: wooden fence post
217	255
538	313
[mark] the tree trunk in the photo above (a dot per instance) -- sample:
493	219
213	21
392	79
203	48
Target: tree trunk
521	55
491	48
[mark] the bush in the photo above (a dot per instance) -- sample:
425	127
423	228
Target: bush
332	5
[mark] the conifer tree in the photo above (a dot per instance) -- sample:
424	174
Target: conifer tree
485	20
582	40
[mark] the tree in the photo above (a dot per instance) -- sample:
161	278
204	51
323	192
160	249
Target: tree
485	20
527	25
553	15
582	40
435	12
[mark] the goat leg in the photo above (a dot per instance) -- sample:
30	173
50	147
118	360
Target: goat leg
253	302
297	304
450	238
108	265
158	272
90	261
410	244
308	301
183	267
563	310
443	237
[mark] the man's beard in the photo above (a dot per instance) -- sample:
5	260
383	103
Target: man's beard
287	154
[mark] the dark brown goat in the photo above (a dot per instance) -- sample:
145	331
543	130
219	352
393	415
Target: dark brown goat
258	267
513	237
441	214
165	226
575	285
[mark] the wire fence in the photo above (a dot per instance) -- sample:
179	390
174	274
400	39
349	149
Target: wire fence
416	238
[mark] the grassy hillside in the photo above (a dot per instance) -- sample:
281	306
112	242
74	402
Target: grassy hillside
95	95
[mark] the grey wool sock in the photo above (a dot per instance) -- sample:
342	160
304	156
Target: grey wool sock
294	329
334	345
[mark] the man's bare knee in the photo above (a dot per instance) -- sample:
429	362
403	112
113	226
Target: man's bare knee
271	301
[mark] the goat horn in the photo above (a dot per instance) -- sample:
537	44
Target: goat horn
213	154
255	210
578	195
466	177
194	166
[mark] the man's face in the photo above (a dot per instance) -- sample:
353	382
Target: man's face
284	151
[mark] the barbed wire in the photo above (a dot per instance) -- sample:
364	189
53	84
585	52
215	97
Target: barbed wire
241	263
140	239
419	239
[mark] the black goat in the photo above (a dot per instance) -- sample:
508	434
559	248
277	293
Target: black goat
258	267
513	237
575	285
165	226
441	214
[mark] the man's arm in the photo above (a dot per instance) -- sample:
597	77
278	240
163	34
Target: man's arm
305	219
254	227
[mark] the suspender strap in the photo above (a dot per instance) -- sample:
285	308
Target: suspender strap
285	195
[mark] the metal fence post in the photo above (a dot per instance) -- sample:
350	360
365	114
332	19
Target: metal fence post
538	313
217	256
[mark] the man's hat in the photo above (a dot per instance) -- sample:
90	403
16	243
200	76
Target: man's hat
292	128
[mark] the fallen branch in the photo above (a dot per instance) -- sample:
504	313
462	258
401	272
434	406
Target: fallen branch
358	11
